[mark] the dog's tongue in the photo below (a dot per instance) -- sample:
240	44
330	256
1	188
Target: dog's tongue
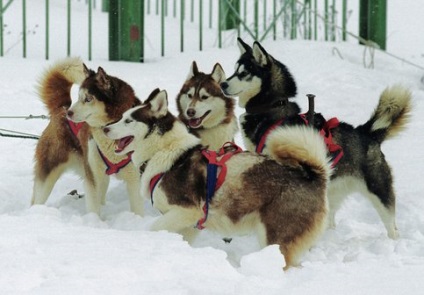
195	122
122	143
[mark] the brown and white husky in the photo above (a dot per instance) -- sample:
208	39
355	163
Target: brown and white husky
281	197
205	110
74	138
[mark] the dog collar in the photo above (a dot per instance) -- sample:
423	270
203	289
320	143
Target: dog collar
275	104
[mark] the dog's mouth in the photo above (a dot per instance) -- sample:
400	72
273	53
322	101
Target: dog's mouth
197	122
121	144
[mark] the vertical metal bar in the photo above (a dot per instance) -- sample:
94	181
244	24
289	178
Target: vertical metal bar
157	7
333	21
200	25
210	14
192	11
293	20
265	15
326	20
24	33
344	19
148	6
142	16
174	13
1	27
90	12
256	20
274	15
69	28
162	26
315	20
377	21
310	20
47	29
182	15
219	23
245	13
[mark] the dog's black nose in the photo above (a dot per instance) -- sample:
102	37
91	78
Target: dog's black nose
191	112
106	130
70	114
224	85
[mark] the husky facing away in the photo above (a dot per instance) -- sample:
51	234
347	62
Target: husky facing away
281	197
74	139
264	86
205	110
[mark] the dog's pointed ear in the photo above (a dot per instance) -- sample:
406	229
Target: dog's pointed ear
218	73
193	71
102	78
87	71
159	104
243	46
259	54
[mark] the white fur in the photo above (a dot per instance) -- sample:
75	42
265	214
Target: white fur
245	90
342	187
392	101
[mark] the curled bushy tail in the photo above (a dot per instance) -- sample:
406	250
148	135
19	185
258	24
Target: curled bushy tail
391	115
55	84
299	145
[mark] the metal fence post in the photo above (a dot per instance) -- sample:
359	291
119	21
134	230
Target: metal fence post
182	16
200	25
372	21
24	32
69	28
47	29
1	27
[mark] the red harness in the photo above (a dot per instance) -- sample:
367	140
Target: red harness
112	168
213	182
325	133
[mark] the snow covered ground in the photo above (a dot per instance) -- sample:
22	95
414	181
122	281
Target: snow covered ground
59	249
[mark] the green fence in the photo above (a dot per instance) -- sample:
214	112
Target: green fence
258	19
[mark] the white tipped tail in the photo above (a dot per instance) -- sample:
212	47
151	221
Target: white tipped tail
300	144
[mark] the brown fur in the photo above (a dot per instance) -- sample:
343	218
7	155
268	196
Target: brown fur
283	204
59	149
220	125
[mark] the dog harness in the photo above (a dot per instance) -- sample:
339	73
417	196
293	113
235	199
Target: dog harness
112	168
214	180
335	149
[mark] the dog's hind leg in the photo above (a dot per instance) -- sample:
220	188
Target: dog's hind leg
379	189
43	187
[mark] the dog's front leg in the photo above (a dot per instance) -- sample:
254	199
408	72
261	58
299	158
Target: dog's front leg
134	187
179	220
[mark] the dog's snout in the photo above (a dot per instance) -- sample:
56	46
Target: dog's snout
224	85
106	130
191	112
70	113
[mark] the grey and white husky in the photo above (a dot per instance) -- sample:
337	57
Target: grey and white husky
264	86
281	197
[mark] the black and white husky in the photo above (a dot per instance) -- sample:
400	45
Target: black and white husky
281	197
205	110
264	86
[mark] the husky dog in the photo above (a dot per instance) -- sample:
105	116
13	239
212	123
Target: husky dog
264	86
205	110
83	147
281	197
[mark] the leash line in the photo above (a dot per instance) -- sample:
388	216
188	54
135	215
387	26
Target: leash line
26	117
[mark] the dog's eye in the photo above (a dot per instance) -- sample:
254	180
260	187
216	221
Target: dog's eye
128	121
204	97
190	95
88	99
243	74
